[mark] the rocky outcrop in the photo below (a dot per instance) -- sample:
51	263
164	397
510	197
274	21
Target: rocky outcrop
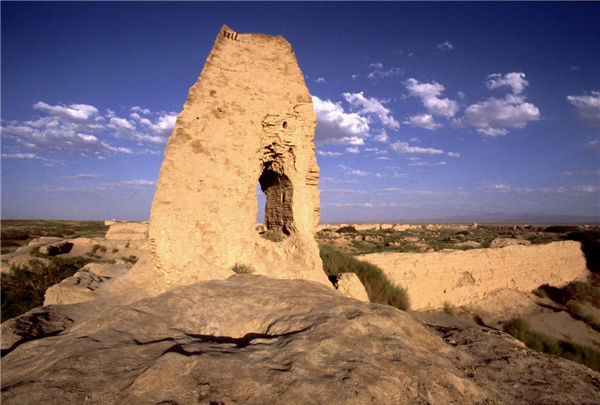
504	242
465	277
350	285
254	340
83	285
247	121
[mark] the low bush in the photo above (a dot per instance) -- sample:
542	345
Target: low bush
347	229
378	287
240	268
96	248
131	259
449	308
520	328
23	288
574	291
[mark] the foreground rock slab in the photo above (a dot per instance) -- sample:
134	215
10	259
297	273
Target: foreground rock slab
254	340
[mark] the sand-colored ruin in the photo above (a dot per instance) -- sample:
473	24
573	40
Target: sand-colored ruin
466	277
247	121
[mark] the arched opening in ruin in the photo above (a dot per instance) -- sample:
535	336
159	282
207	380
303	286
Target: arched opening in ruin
278	219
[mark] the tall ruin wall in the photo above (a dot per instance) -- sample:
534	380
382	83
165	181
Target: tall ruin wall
247	121
465	277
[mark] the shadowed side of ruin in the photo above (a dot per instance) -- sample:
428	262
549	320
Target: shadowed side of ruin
248	120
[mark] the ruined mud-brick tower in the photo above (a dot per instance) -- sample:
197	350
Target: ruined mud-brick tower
248	120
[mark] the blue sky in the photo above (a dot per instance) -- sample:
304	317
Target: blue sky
424	110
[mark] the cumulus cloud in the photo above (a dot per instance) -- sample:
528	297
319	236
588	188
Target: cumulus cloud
445	46
382	137
430	96
371	107
336	126
422	121
140	110
378	71
80	129
515	80
74	112
453	154
320	80
353	149
588	107
492	116
403	148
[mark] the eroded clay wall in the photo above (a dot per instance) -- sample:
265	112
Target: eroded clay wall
464	277
248	119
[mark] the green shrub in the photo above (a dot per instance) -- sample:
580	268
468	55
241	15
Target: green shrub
241	268
347	229
578	312
23	288
378	287
520	328
575	290
96	248
131	259
449	308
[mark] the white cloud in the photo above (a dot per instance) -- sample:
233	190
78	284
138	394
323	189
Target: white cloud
336	126
371	107
383	158
397	175
75	112
527	190
445	46
320	80
382	137
593	144
492	116
429	94
427	164
453	154
141	110
28	156
136	184
404	148
80	176
80	129
377	71
331	180
331	154
587	189
515	80
354	172
163	126
353	149
588	107
422	121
